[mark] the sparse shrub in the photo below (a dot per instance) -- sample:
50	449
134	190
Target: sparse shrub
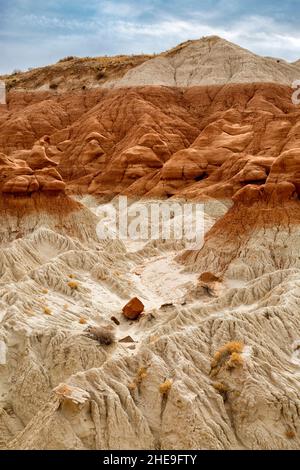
233	346
53	86
103	335
45	291
16	72
229	354
66	306
72	276
165	387
73	285
82	320
47	311
236	360
67	59
141	375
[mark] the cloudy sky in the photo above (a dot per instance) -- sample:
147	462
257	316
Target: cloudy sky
36	32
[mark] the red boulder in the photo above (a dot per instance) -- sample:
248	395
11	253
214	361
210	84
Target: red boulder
133	309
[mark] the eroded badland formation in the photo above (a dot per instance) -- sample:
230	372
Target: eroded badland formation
208	355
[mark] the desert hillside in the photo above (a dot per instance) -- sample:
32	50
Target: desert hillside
206	353
208	61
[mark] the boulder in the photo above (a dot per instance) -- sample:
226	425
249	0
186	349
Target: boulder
133	309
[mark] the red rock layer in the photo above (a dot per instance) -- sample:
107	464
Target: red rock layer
34	188
256	209
157	141
21	177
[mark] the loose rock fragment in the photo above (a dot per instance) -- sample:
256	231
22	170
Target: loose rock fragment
133	309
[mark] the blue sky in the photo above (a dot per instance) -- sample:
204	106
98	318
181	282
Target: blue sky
35	33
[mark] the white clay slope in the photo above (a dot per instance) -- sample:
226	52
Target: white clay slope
208	61
61	389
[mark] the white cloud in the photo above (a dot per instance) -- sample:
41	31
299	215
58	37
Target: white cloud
38	38
259	34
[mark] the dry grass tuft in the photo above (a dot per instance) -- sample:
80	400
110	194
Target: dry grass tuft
235	360
47	311
233	346
229	354
73	285
165	387
82	321
141	375
67	59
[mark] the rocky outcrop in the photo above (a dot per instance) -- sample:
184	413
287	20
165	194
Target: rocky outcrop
258	234
196	142
17	177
